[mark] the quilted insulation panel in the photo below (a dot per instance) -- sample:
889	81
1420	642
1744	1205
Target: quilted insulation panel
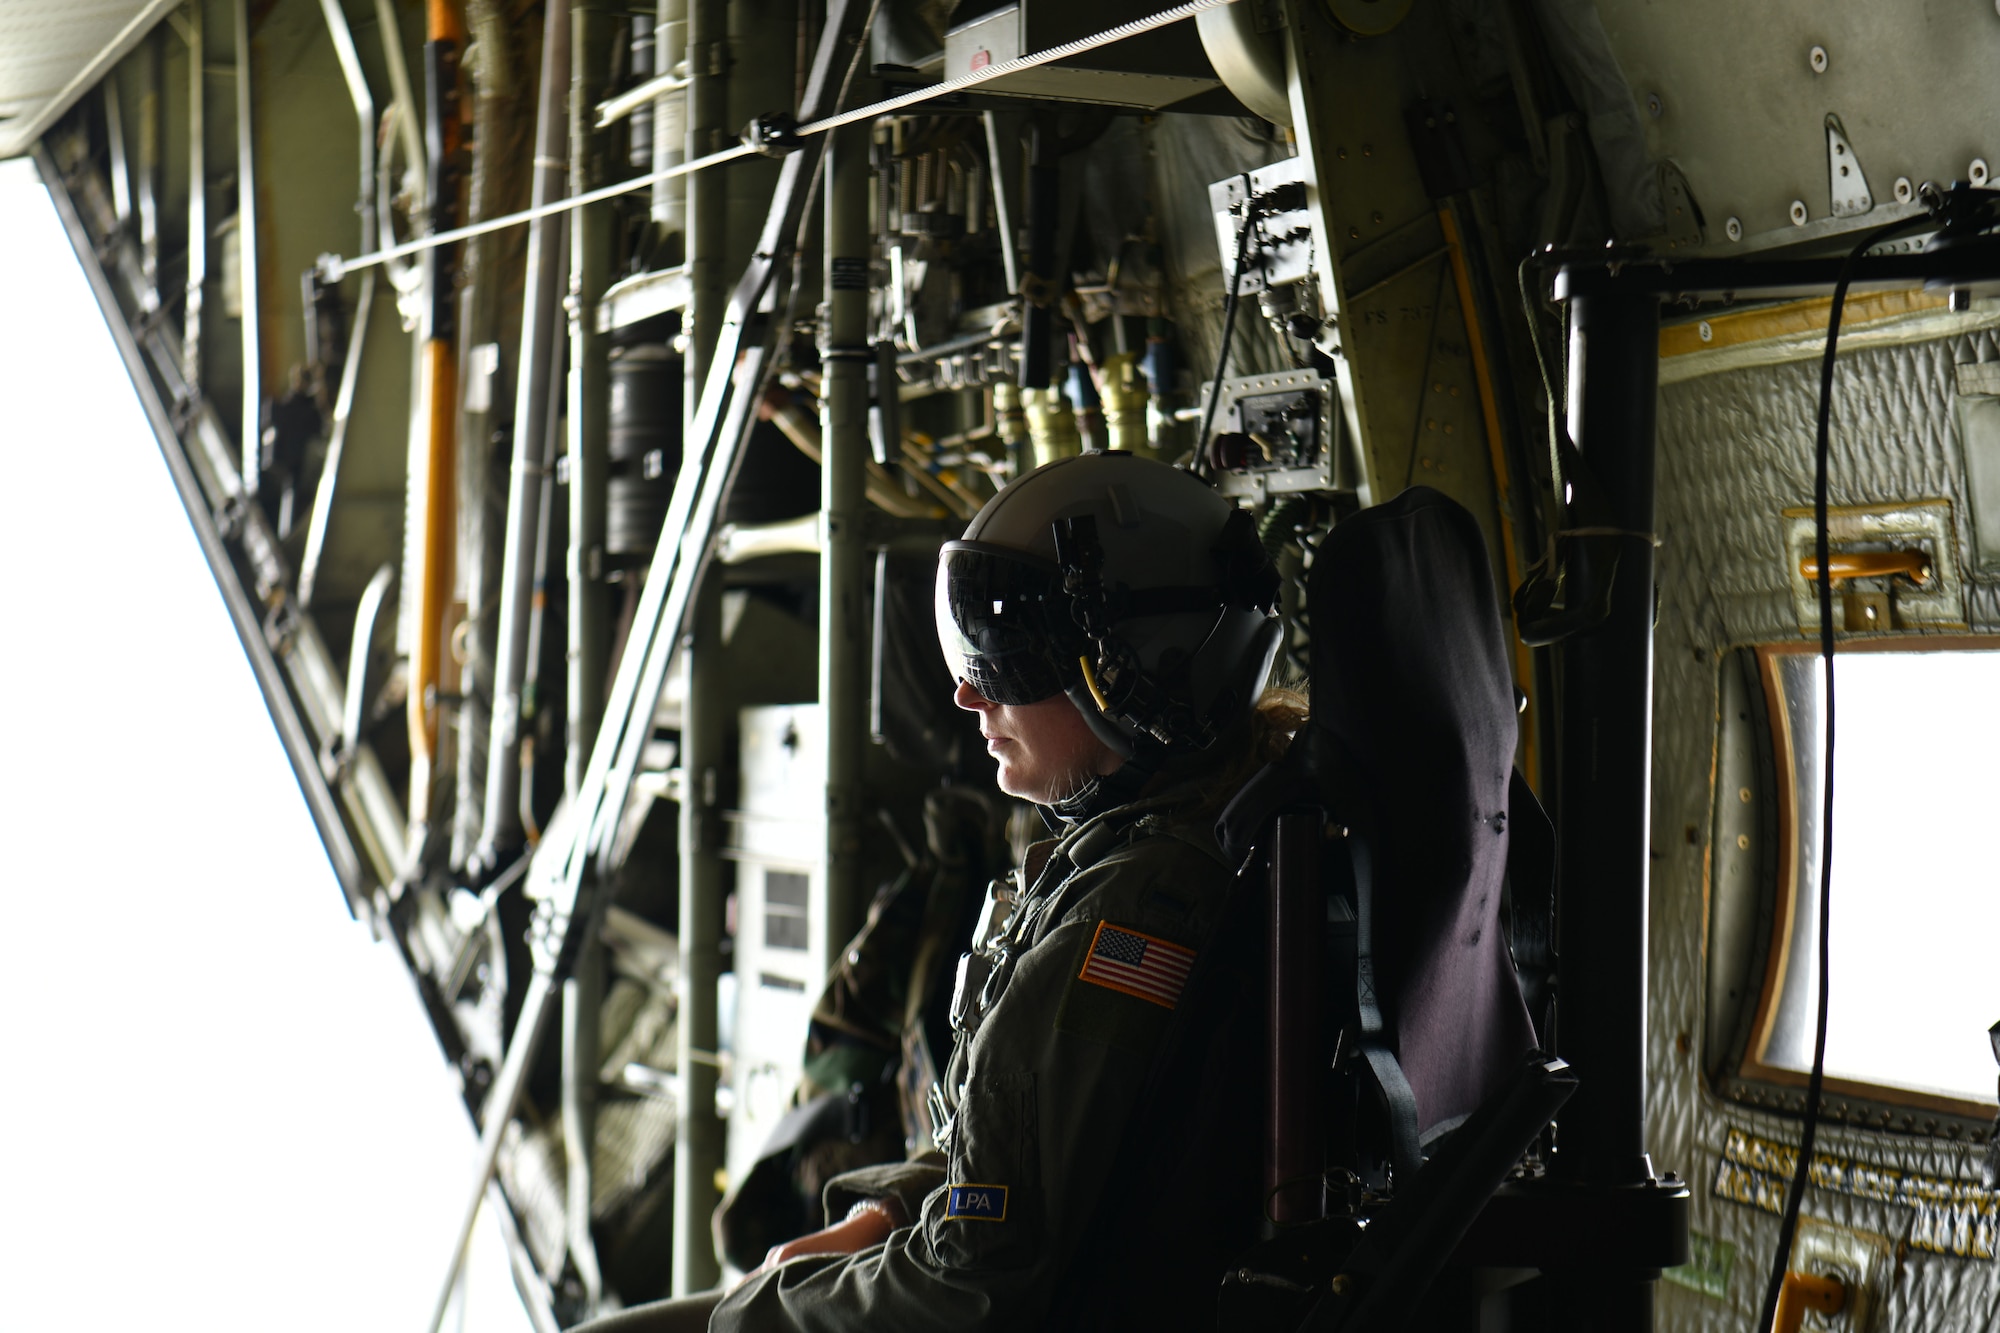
1735	448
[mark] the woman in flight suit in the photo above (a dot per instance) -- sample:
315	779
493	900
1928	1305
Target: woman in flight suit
1112	622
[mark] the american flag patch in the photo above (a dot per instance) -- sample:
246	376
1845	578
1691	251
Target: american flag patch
1141	965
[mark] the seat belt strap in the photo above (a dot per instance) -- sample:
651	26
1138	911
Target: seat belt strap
1398	1099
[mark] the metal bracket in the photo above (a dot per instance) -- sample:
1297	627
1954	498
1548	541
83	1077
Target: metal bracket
1847	187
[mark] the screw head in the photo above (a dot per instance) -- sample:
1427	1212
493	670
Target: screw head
1707	333
1799	213
1654	106
1976	173
1817	59
1733	228
1904	190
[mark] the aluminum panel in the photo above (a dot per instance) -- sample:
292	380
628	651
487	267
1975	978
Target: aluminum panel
1736	449
1738	95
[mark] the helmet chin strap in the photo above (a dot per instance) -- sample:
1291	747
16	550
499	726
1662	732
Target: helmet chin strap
1102	791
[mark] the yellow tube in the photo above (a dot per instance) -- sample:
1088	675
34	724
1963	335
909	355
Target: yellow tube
1482	372
434	580
1090	683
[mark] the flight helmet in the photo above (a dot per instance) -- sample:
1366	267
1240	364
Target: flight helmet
1130	586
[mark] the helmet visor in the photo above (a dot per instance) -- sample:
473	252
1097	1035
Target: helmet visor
1003	624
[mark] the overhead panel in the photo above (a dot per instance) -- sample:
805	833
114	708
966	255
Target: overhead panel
1760	124
53	51
1150	71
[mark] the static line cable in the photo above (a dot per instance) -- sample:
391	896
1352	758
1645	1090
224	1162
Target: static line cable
333	267
1816	1079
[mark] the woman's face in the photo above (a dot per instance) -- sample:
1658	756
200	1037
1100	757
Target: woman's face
1046	750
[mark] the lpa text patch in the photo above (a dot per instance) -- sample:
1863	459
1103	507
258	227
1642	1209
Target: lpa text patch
977	1203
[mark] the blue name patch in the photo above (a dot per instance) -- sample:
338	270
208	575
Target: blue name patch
978	1203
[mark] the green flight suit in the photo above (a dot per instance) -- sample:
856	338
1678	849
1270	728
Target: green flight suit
1042	1094
1044	1080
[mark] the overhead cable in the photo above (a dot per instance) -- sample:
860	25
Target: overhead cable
333	267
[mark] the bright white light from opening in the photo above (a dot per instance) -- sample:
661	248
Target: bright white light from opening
226	1107
1916	892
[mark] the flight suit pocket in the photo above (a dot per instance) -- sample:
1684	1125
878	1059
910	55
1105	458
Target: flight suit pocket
989	1214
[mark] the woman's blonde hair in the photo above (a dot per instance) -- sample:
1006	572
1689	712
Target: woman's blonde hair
1277	716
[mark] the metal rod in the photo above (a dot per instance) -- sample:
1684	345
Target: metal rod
500	826
698	1141
350	370
610	112
120	165
583	1002
589	461
714	158
501	1100
705	202
414	161
1037	318
148	181
1000	164
1604	775
197	242
843	626
670	119
438	394
252	438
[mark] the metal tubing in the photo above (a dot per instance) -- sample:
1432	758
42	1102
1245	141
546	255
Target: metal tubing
843	624
505	1095
590	242
438	391
698	1144
1607	712
583	1002
1605	748
120	165
252	438
1038	315
438	394
414	161
148	182
495	92
1001	165
1294	1141
705	200
500	826
670	140
350	371
197	233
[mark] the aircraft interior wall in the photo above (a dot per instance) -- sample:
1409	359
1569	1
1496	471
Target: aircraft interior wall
1735	454
718	748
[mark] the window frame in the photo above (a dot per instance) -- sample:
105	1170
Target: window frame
1738	1070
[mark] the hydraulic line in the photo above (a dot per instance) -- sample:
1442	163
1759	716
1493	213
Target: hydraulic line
350	372
252	438
501	823
438	390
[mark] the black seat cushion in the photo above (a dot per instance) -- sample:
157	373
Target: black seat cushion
1410	677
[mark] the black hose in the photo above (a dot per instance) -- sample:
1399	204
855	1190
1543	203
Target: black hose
1228	324
1816	1080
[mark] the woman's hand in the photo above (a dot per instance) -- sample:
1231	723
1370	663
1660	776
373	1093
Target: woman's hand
867	1223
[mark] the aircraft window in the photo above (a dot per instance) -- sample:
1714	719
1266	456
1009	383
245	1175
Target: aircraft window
1915	899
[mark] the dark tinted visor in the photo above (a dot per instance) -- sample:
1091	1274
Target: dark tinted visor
1003	622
